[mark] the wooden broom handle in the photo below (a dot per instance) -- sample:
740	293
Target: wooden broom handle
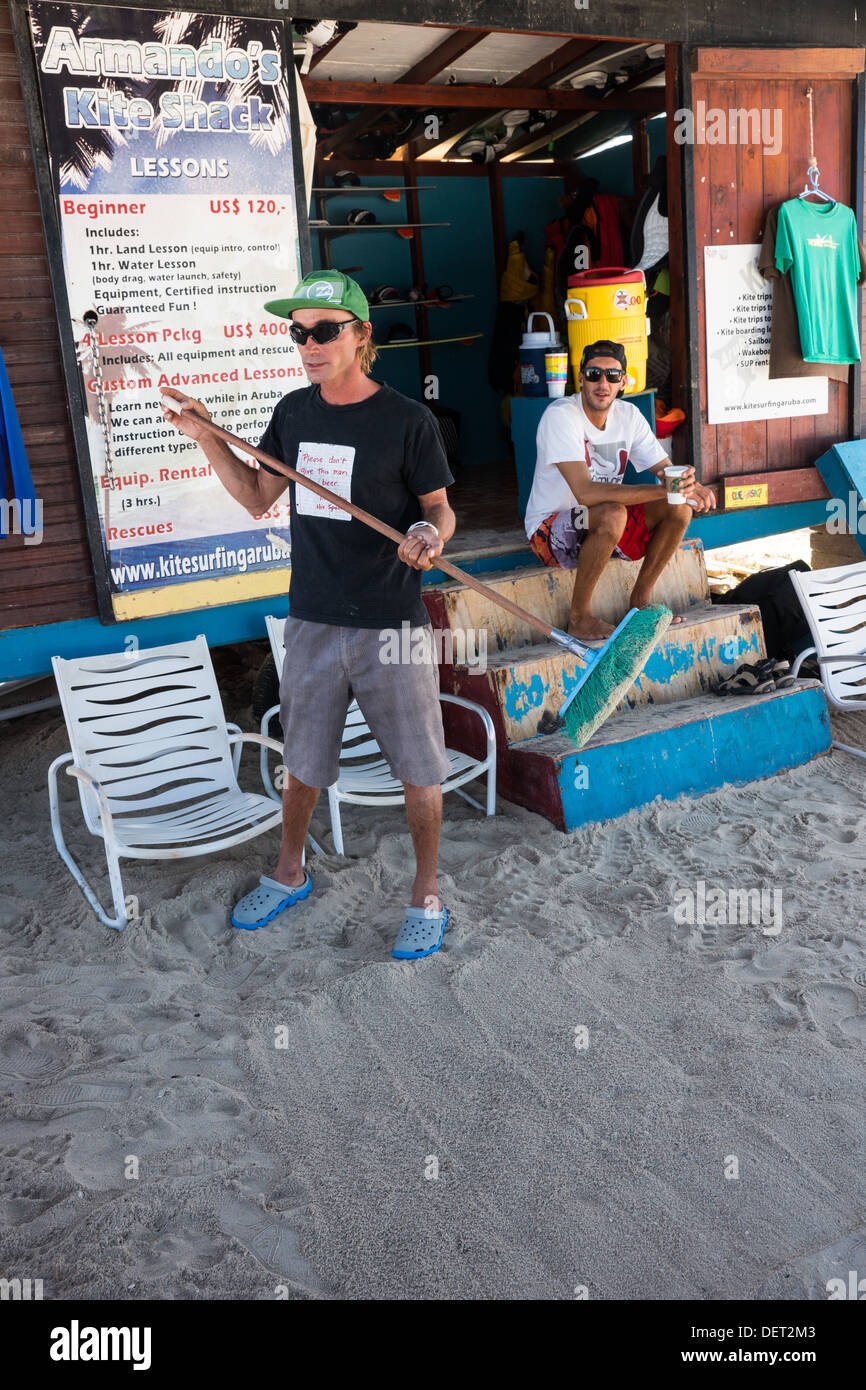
369	520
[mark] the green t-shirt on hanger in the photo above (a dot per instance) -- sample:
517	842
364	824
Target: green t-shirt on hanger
817	243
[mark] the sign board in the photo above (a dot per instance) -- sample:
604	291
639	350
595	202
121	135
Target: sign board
169	140
738	305
746	495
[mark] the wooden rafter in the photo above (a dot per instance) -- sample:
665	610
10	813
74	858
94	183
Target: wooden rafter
552	68
637	79
563	61
442	56
555	65
326	51
479	98
565	123
529	143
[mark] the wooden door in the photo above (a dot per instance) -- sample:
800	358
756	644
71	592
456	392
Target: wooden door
733	185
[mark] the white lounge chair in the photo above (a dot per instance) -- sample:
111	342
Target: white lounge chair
365	777
155	761
834	603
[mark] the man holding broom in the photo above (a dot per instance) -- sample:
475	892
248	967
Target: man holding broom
580	513
382	451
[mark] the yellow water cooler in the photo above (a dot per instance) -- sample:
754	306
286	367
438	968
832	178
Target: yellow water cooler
609	302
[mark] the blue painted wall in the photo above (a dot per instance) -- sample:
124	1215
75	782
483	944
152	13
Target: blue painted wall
613	168
461	255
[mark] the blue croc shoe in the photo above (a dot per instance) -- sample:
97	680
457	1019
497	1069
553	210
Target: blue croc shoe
420	934
267	900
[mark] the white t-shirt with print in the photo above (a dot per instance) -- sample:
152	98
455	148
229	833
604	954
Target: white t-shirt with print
565	433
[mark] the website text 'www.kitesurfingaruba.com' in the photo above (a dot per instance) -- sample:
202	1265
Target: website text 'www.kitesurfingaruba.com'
173	565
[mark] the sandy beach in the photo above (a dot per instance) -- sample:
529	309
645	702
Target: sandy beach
579	1095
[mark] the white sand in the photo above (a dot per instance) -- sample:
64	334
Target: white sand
303	1168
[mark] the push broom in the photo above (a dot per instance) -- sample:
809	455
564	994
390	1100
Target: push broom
607	672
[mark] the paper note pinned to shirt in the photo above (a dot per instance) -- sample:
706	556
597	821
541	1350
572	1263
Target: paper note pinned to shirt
331	466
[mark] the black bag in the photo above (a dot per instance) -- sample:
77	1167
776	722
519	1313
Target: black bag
786	631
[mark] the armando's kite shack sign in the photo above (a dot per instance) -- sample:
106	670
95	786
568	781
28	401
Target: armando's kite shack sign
169	142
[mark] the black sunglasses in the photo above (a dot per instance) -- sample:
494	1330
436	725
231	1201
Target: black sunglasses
613	374
325	332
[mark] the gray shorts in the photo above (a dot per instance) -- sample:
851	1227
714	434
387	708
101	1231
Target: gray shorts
326	666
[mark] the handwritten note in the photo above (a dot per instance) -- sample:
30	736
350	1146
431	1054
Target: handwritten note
330	465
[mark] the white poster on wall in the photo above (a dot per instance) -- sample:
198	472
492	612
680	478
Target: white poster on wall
738	305
169	137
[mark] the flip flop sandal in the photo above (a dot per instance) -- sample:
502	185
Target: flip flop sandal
770	666
745	682
419	935
785	682
267	901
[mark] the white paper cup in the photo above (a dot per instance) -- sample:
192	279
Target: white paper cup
674	474
556	388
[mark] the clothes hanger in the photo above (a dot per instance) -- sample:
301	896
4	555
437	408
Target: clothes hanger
812	171
813	174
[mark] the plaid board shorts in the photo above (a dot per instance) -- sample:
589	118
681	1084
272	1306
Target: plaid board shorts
558	539
325	667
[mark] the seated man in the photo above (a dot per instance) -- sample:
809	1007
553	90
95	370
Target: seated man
579	513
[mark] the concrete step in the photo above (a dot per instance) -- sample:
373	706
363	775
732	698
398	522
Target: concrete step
546	593
686	748
519	685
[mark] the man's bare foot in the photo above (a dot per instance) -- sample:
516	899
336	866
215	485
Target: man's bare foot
638	600
589	629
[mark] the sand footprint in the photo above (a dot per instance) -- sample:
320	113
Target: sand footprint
26	1057
80	1093
835	1006
273	1242
697	824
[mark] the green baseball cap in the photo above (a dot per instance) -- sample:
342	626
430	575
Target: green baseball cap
328	289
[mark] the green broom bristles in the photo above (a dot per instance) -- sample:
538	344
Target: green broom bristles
614	672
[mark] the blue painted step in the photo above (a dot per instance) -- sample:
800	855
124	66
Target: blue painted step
689	747
689	659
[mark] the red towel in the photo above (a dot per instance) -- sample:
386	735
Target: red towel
607	207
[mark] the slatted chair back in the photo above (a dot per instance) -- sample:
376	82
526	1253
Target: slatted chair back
149	726
834	602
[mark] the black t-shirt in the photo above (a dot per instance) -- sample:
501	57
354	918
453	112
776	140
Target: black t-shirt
382	454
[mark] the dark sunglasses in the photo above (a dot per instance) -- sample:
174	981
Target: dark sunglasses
613	374
325	332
